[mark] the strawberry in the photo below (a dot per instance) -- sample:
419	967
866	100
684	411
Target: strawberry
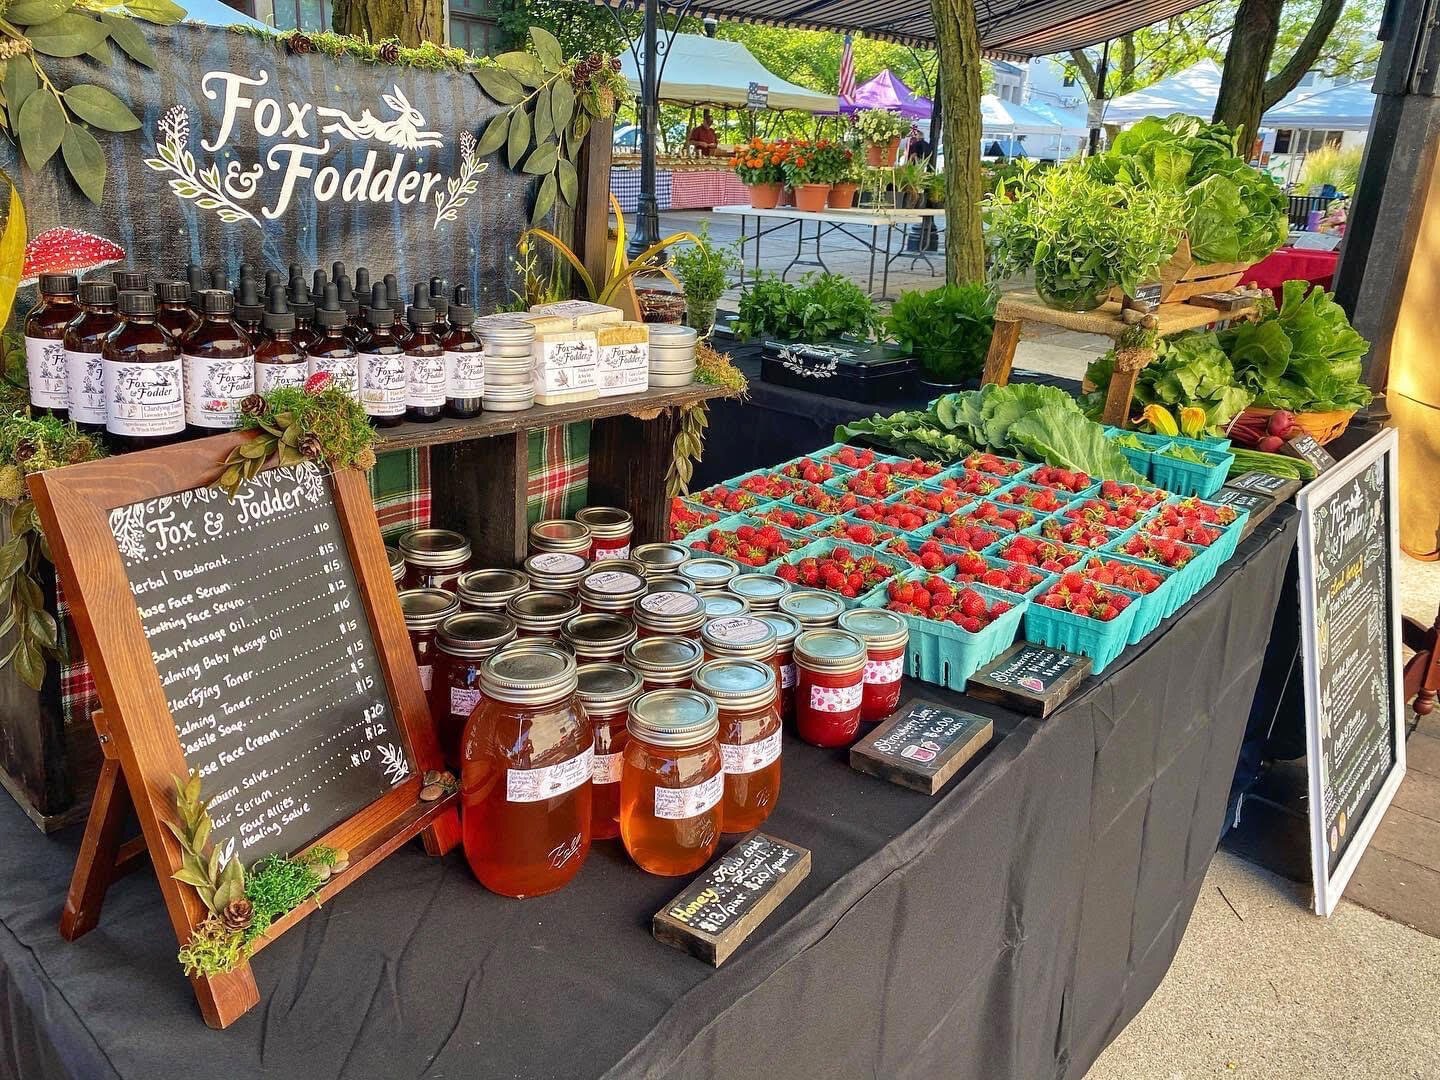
1042	499
811	472
971	482
850	458
1092	602
1066	479
684	520
1079	533
1047	556
815	497
993	464
972	603
787	572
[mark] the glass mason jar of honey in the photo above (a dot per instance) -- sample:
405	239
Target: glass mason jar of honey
661	560
463	643
490	590
662	614
885	635
434	558
829	667
664	662
709	574
541	614
744	694
555	571
719	605
672	782
742	637
558	534
812	608
598	638
610	532
610	591
761	591
525	765
424	611
786	631
605	693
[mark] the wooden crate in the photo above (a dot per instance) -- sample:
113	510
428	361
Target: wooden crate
1182	277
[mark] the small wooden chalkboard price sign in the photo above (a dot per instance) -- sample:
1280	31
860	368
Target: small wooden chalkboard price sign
1304	447
1258	506
723	905
1279	488
258	641
922	746
1029	678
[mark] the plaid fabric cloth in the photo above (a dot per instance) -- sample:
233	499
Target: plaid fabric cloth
700	189
400	490
625	186
559	472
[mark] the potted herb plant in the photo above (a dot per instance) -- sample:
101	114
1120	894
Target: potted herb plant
909	183
703	269
821	308
935	190
881	130
758	164
804	174
947	330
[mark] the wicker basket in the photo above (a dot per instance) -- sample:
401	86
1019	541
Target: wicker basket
661	305
1321	426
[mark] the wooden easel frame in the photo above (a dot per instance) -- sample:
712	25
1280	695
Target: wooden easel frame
142	750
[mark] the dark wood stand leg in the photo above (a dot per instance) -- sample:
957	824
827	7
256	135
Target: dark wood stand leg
1002	352
99	858
629	457
479	488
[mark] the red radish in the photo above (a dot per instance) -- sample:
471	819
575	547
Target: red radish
1281	423
1270	444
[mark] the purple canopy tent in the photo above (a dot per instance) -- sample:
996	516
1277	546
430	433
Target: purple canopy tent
885	91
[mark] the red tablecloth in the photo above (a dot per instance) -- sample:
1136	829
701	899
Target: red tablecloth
1288	263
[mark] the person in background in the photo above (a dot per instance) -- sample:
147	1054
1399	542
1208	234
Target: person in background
702	137
921	150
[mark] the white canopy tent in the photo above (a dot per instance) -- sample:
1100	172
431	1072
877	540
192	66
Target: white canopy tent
1348	107
999	118
1193	92
709	71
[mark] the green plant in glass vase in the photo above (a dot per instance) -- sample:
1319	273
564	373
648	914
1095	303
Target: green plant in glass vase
947	329
703	269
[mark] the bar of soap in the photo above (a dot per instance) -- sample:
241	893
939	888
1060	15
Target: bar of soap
580	314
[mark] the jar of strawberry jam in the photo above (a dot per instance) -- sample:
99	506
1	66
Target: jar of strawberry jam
661	614
812	608
709	574
744	694
610	531
761	591
598	638
434	558
829	668
672	782
463	643
665	662
541	614
525	766
605	693
424	611
611	591
742	637
885	635
557	534
786	631
490	590
555	571
718	605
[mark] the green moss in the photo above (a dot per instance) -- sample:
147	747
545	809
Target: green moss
213	950
426	56
332	416
275	886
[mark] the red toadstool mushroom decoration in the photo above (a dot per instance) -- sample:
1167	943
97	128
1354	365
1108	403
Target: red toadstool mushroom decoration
64	250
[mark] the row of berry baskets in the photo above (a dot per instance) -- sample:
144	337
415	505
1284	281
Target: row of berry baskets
972	553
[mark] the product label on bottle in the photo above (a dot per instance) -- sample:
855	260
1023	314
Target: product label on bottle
270	376
144	399
787	676
608	768
45	365
344	372
836	699
622	552
613	581
214	388
465	374
463	702
673	804
556	380
737	630
884	672
670	603
383	383
536	785
750	757
427	676
425	380
557	562
85	379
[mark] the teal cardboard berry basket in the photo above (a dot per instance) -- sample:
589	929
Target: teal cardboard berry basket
820	548
1101	641
1185	582
820	530
1189	477
1140	460
1153	606
1026	467
696	508
978	477
732	522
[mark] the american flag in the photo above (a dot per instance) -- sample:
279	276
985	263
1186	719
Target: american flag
847	70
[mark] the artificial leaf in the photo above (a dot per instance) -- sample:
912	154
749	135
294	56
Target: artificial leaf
289	455
494	135
99	107
20	82
562	104
541	160
12	264
70	34
547	48
523	66
33	12
130	38
42	627
190	877
102	53
500	85
163	12
41	126
569	181
30	665
519	140
202	833
544	127
230	478
12	556
85	161
544	199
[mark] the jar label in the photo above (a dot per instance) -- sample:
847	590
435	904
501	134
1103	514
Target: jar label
425	380
427	672
670	603
85	379
599	554
465	374
884	672
536	785
836	699
45	365
750	757
613	581
463	702
270	376
344	372
214	388
144	399
607	768
787	676
674	804
557	562
383	383
739	630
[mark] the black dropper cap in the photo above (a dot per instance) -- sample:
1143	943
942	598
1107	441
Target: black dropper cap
297	273
337	270
347	295
422	315
318	282
274	282
58	284
392	293
218	301
461	313
135	301
300	301
330	314
440	297
278	315
362	282
247	272
172	292
379	313
219	280
195	275
247	303
129	279
97	293
439	286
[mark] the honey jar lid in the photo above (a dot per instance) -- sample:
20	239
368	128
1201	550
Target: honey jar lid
674	719
607	687
739	635
879	629
709	573
812	608
830	650
491	588
664	655
434	547
549	609
661	558
737	684
529	676
760	590
474	635
598	630
425	609
606	522
722	603
786	628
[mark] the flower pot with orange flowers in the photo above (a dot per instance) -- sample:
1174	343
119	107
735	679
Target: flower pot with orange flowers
804	167
759	164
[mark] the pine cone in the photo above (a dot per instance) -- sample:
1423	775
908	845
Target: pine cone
390	52
82	449
300	43
310	448
24	450
237	915
252	405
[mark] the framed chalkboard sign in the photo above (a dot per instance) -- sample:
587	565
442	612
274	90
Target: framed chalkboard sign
1350	642
257	641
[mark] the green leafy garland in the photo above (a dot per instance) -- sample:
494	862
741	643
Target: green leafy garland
714	369
319	423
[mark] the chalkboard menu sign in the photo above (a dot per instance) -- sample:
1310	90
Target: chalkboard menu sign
1351	648
256	629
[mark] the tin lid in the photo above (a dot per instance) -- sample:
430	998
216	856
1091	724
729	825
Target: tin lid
830	650
672	583
495	392
786	628
606	522
612	586
665	656
739	635
760	590
606	688
672	335
879	629
558	534
397	562
670	610
710	573
505	330
491	588
812	608
530	676
737	684
434	547
720	603
555	569
661	559
536	643
425	609
674	719
599	631
474	635
542	610
629	566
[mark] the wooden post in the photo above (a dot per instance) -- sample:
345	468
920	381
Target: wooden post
479	488
1128	365
629	457
592	208
1001	354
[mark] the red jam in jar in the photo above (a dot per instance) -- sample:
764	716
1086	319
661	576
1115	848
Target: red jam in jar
541	614
664	662
885	635
464	642
434	558
598	638
526	762
605	693
830	667
661	614
424	611
610	532
672	782
786	631
744	694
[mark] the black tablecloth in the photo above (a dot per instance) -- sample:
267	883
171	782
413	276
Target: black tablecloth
1007	928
